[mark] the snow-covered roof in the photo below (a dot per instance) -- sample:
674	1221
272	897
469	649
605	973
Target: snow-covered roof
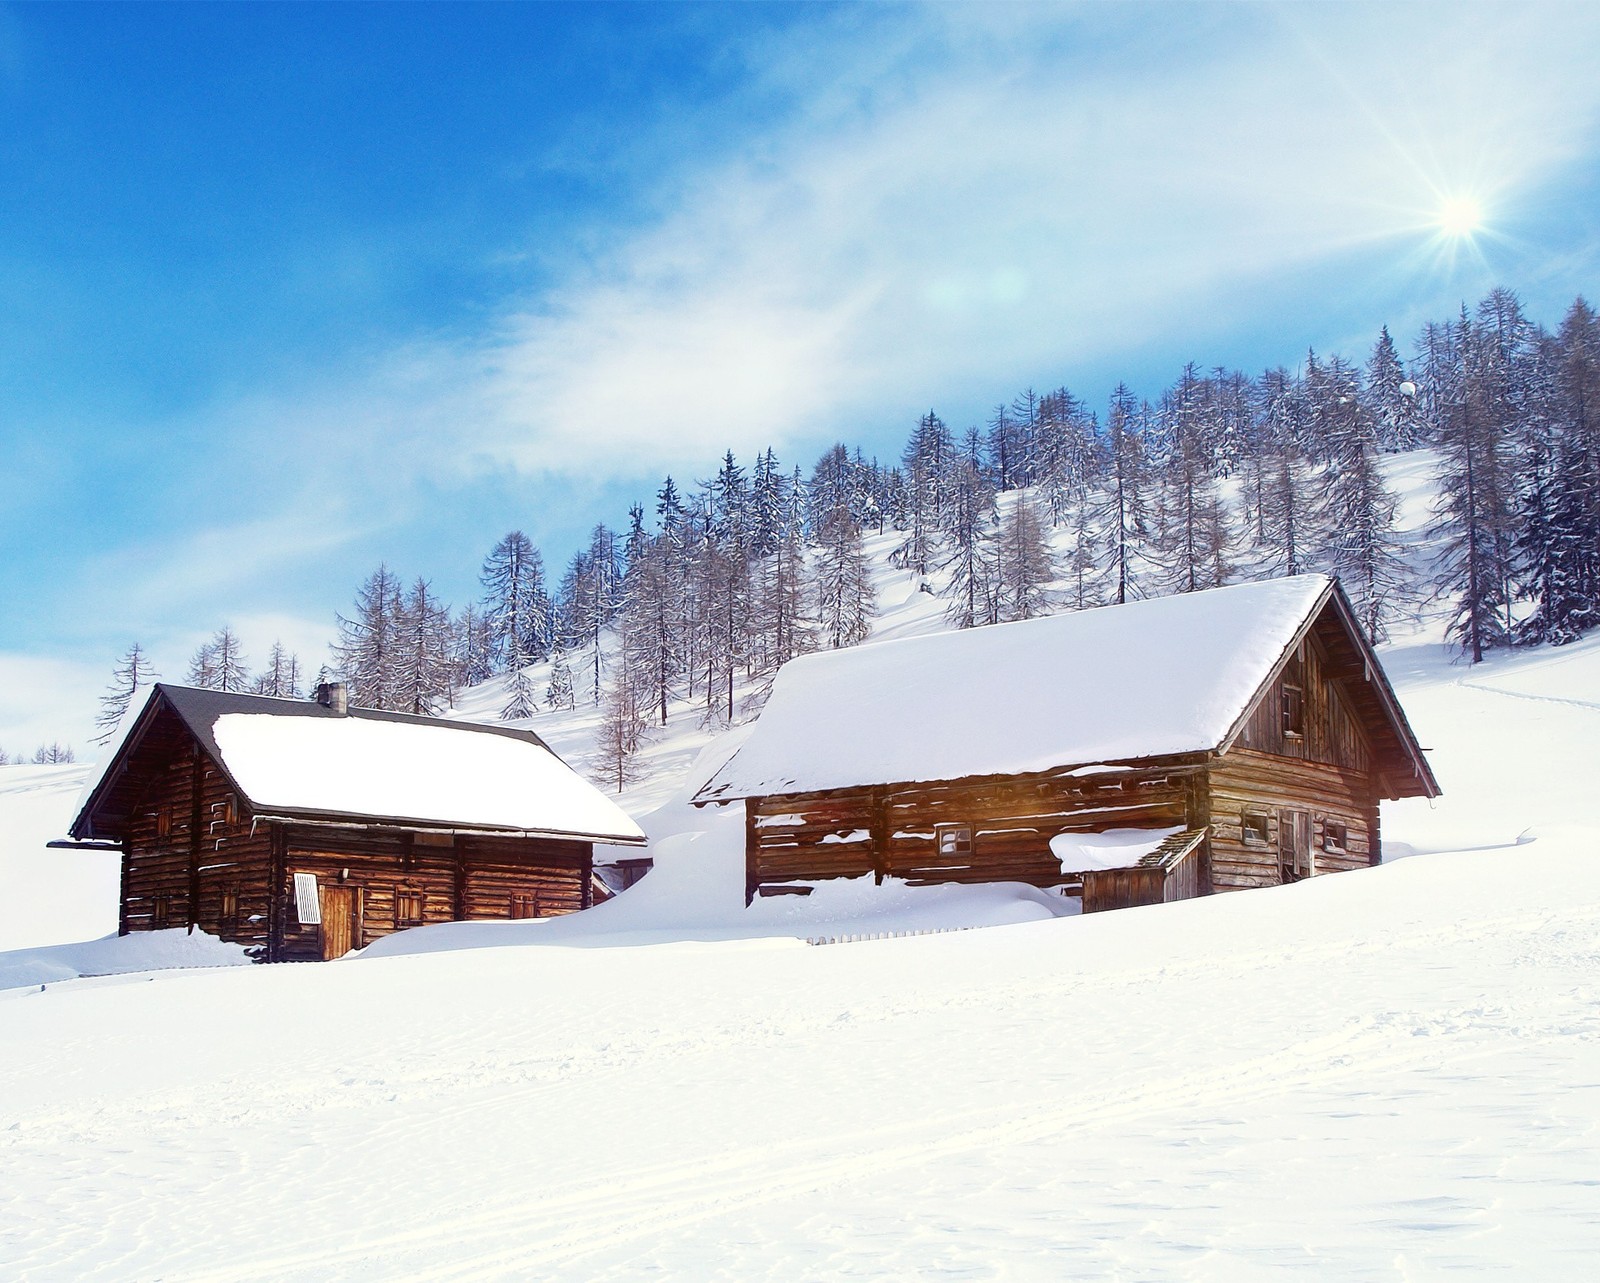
298	759
1150	678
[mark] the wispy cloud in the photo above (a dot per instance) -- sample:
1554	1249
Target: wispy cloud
960	200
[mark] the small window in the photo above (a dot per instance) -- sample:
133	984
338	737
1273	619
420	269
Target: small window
1294	711
228	914
1335	836
164	822
524	905
1254	827
161	912
408	909
955	840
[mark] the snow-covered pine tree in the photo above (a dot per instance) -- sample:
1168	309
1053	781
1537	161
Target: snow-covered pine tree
1473	515
781	625
846	601
515	602
1287	508
1558	541
1357	508
1085	579
366	649
1193	537
926	470
1391	399
1004	447
652	632
969	555
132	674
472	658
1122	512
1024	563
423	660
769	503
560	694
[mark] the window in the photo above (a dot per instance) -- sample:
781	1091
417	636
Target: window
164	822
524	905
161	911
228	914
1294	711
408	909
1254	827
954	840
1335	835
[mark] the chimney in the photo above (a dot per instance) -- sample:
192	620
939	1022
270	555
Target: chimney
334	695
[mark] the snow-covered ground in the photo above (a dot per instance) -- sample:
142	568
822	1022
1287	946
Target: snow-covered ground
1388	1074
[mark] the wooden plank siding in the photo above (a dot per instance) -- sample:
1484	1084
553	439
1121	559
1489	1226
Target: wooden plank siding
191	857
892	831
1245	782
460	879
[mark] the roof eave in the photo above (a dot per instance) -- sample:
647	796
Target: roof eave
412	824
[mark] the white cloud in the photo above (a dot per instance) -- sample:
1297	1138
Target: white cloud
905	234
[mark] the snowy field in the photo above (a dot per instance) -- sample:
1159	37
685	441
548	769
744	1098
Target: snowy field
1388	1074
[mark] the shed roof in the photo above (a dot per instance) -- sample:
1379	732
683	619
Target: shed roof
1155	678
300	760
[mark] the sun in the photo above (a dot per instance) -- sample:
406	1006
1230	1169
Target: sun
1460	216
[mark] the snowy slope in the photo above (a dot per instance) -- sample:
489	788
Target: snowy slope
1387	1074
47	897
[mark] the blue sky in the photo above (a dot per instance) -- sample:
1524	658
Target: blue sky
292	290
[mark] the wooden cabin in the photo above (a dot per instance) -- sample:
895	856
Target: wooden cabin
304	829
1127	755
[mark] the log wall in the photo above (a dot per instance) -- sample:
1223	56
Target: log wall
192	856
460	879
893	831
1245	781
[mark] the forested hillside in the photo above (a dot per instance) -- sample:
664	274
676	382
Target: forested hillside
1052	504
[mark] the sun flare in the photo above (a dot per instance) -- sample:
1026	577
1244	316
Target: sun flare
1460	216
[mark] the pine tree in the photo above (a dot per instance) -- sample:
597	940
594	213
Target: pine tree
1122	510
1391	399
1024	562
281	676
622	731
1473	516
219	664
969	561
515	602
1357	509
560	694
927	465
423	652
846	601
366	650
132	673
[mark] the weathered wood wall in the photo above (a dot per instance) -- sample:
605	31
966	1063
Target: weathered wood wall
1246	781
191	857
459	879
892	831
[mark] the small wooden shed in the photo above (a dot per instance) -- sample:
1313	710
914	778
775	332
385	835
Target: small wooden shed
307	828
1129	754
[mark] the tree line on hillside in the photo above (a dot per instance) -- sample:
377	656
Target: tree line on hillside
1048	505
50	754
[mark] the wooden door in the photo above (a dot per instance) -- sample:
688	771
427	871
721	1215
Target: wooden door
1294	846
341	920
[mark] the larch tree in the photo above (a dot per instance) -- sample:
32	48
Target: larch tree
1024	563
219	664
368	642
132	674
